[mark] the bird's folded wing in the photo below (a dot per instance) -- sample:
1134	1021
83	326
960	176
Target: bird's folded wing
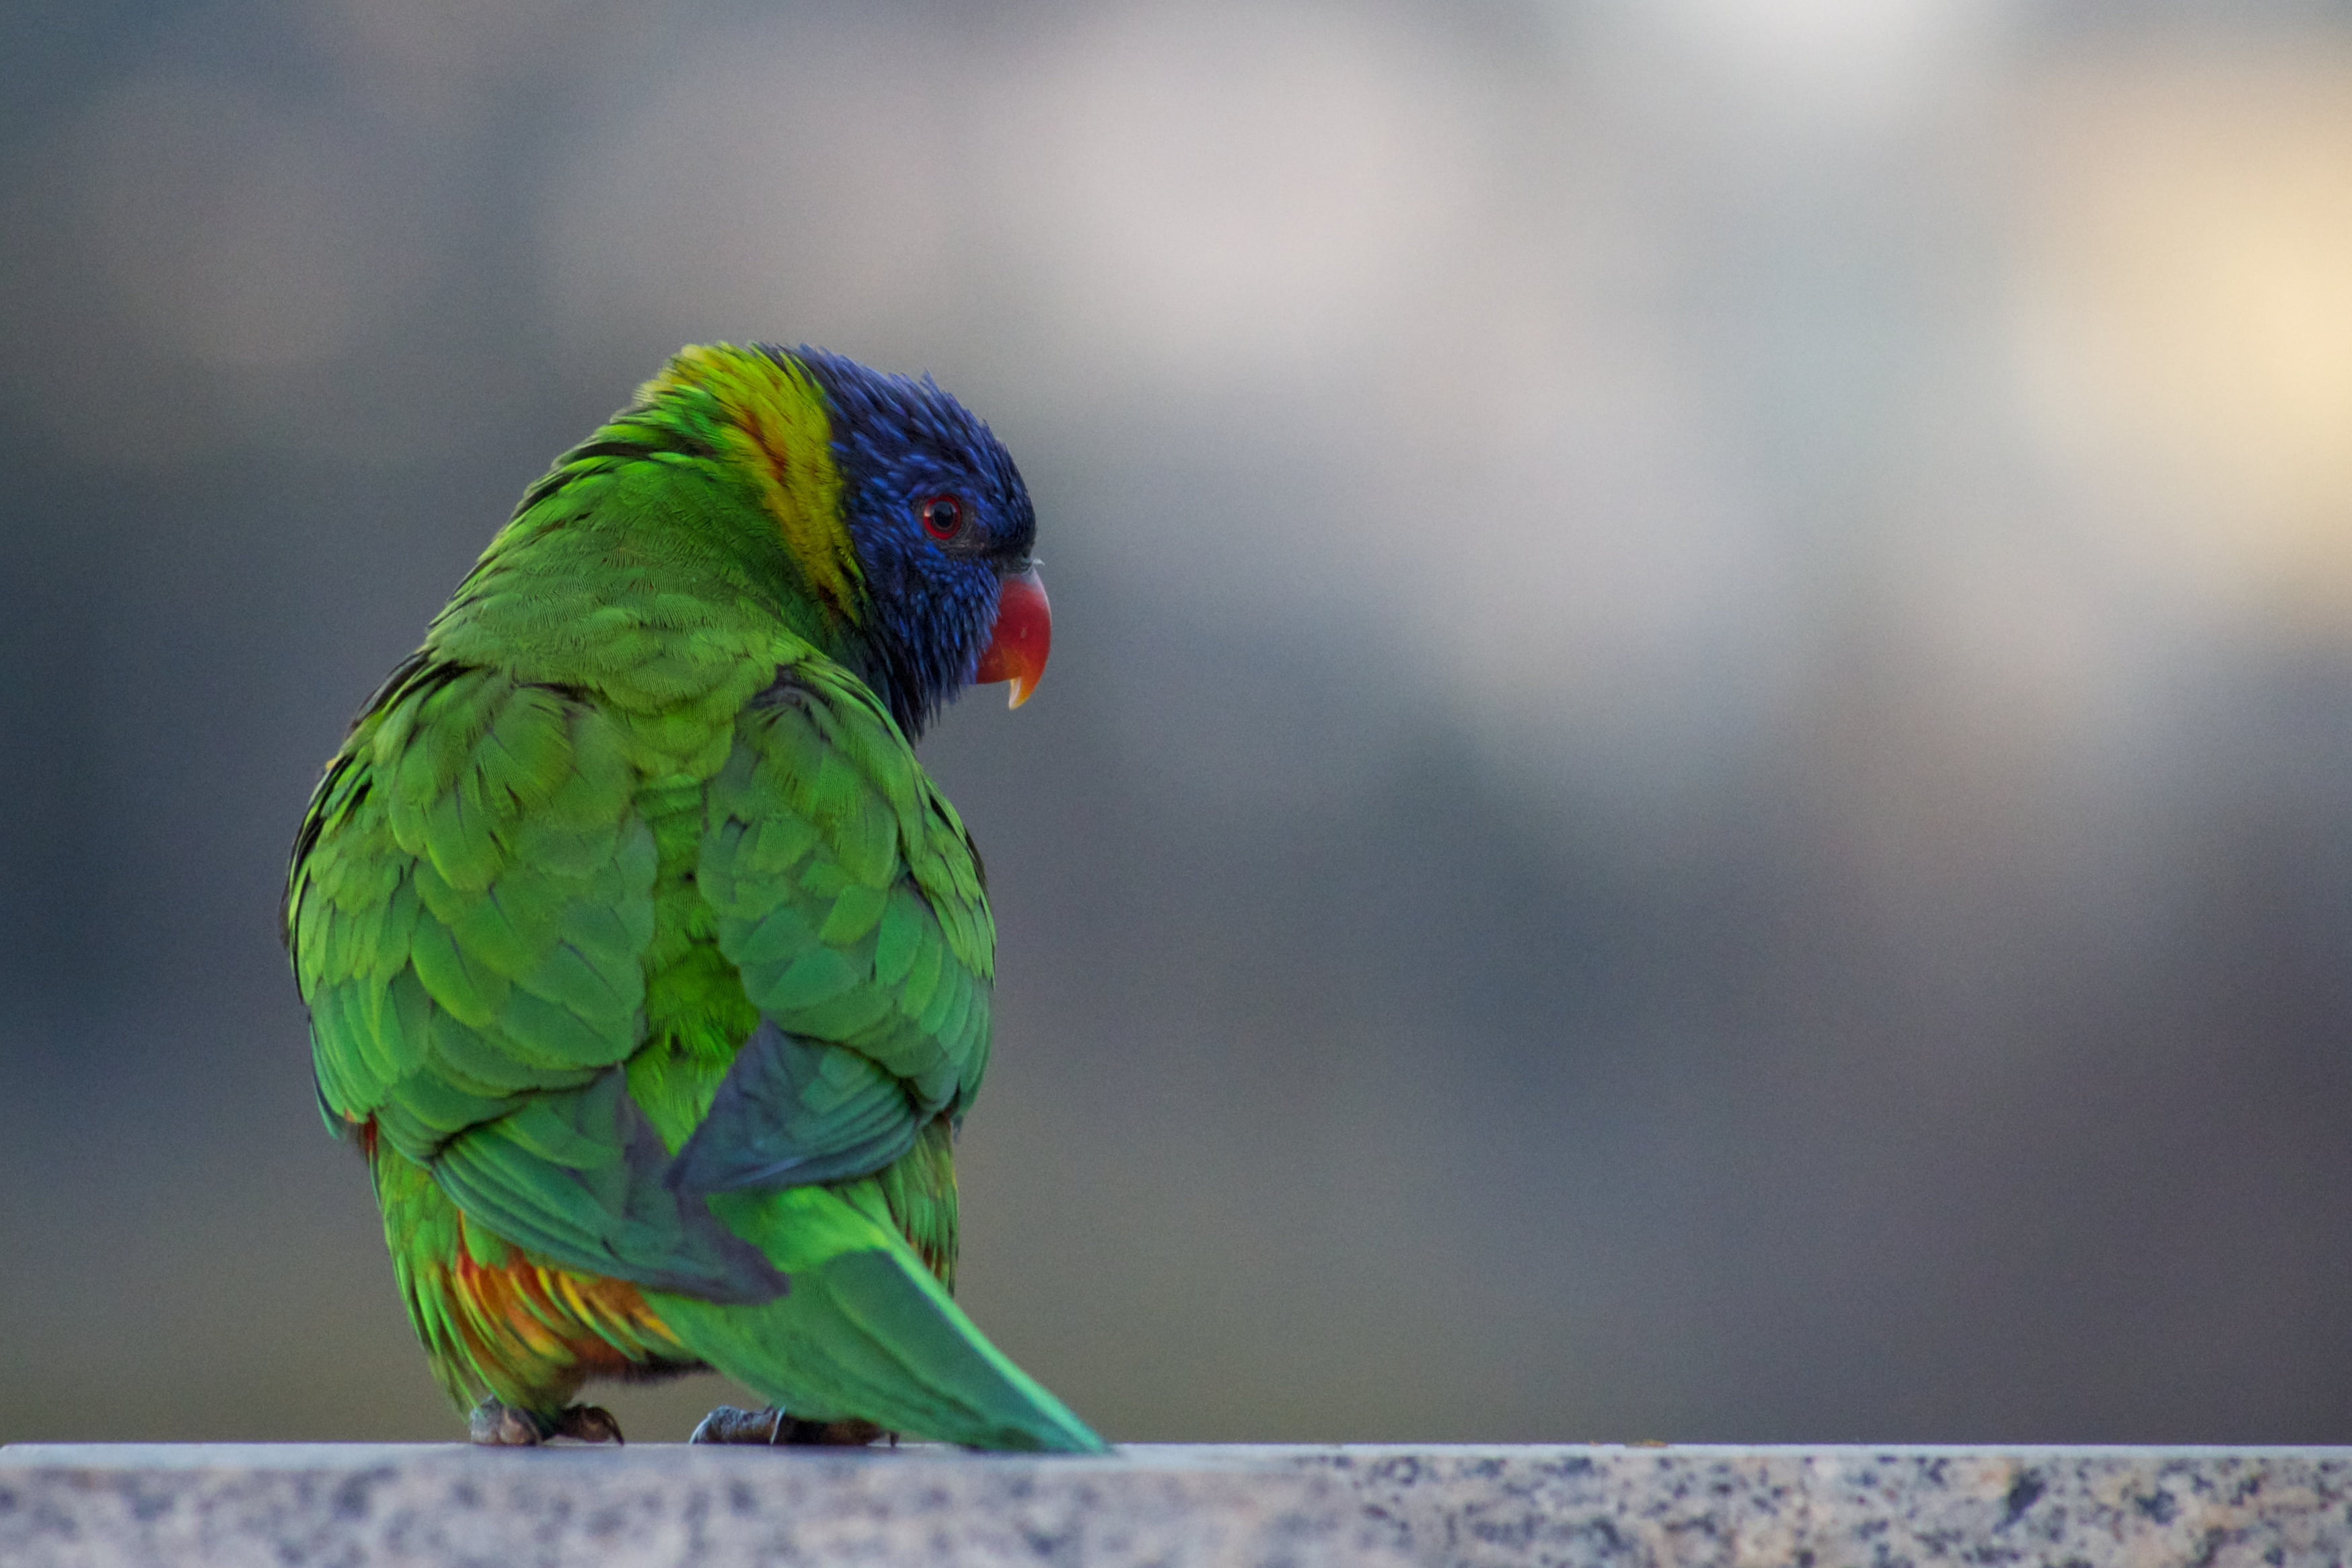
468	908
850	901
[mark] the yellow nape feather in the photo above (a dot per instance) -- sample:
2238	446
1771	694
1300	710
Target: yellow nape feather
776	424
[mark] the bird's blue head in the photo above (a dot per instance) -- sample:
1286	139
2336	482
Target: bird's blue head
942	528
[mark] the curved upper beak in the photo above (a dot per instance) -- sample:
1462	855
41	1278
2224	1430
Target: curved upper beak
1024	630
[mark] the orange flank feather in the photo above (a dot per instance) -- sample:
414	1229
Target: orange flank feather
534	1315
494	1318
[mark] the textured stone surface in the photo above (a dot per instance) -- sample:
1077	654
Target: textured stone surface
372	1506
1490	1507
364	1505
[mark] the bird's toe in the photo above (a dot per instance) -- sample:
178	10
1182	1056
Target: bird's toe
733	1424
495	1425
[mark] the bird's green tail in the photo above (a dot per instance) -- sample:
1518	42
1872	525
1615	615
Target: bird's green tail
864	1331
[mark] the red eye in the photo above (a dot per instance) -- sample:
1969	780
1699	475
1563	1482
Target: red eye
942	517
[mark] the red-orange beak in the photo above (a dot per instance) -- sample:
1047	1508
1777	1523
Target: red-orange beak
1024	630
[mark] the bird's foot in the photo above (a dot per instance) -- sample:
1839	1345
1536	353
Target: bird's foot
498	1426
771	1427
589	1424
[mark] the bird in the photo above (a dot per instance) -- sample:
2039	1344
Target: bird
645	964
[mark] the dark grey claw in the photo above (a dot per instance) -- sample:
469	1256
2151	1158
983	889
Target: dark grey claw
849	1434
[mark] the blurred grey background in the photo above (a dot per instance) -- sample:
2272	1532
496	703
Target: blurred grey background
1698	777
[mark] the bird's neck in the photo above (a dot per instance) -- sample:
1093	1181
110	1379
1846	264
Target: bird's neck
647	531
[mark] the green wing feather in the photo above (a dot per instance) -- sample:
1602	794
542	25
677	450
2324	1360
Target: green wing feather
468	922
847	895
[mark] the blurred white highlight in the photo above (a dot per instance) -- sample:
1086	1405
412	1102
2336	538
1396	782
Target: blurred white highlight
1221	189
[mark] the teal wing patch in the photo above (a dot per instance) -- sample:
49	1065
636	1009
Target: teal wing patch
850	901
792	1111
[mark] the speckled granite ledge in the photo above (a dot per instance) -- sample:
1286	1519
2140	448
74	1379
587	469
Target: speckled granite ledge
372	1506
448	1506
1830	1506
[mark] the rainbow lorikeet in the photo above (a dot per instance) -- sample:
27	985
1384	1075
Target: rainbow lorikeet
644	962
